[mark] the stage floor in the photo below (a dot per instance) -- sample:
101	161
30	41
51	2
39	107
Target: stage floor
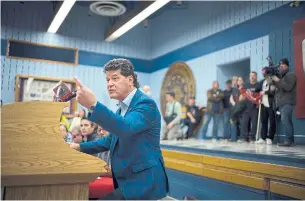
293	156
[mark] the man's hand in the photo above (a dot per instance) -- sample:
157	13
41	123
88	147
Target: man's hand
84	95
170	125
74	146
214	95
275	78
191	117
262	93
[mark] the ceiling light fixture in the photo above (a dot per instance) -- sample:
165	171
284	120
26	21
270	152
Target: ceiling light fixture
137	19
61	15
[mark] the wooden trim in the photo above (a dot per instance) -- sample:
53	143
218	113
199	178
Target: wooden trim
247	173
46	78
17	89
44	60
42	44
218	174
289	190
7	48
76	57
272	170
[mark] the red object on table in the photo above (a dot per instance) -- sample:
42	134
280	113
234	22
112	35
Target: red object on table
100	187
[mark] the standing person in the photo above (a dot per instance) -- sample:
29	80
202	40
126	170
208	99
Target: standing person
251	112
238	107
134	141
227	109
286	100
214	111
235	82
267	111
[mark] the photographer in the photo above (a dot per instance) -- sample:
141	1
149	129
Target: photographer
267	110
286	99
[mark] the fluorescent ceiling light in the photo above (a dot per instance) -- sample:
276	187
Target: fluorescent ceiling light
137	19
61	15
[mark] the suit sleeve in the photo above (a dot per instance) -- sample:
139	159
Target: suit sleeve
140	118
100	145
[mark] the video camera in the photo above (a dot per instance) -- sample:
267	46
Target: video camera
272	69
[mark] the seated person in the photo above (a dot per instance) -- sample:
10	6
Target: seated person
65	134
105	155
88	130
77	119
103	184
193	117
77	136
65	121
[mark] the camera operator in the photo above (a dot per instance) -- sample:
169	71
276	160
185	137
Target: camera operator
267	110
286	99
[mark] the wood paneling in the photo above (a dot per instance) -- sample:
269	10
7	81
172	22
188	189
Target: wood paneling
49	192
247	173
34	153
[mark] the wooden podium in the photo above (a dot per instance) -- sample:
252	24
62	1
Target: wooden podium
36	162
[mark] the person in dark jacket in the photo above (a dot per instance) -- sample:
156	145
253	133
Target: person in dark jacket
267	110
227	109
251	112
238	103
214	110
193	117
286	100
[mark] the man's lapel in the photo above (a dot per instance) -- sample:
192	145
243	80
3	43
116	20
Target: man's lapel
134	100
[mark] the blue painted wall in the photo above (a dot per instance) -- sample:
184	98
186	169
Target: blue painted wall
266	34
204	39
177	28
29	21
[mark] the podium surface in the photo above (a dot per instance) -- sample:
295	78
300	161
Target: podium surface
36	162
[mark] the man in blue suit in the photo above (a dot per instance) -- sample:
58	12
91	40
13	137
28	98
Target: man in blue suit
134	140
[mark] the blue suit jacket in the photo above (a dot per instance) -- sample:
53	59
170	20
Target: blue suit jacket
134	143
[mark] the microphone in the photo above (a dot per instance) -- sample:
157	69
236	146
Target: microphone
63	93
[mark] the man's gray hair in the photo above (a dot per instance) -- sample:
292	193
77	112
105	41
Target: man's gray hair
126	68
